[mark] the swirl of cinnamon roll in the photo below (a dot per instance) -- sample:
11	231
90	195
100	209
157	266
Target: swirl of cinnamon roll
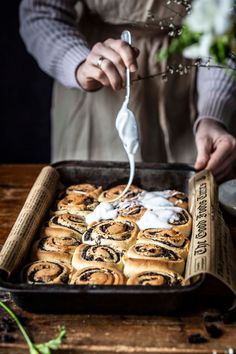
131	212
87	256
151	257
77	204
158	278
112	193
115	233
179	199
98	276
55	248
85	189
46	272
169	239
74	223
182	222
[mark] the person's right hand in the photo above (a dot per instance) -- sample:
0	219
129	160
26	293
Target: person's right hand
118	55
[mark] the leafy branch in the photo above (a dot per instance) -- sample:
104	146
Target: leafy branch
42	348
178	44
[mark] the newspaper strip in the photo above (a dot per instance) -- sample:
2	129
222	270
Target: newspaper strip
212	250
28	221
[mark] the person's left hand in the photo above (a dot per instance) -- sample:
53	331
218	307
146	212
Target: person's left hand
216	149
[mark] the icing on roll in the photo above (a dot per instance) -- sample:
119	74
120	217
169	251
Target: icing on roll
75	223
86	256
151	257
77	204
114	192
55	248
156	199
85	189
46	272
160	210
115	233
103	211
158	278
179	199
98	276
169	239
167	218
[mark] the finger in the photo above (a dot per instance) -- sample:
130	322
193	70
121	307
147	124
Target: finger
204	147
102	50
92	73
126	52
219	155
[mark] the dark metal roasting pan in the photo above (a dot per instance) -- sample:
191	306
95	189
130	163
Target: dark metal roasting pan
120	299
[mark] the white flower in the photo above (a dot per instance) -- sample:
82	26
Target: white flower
210	16
201	49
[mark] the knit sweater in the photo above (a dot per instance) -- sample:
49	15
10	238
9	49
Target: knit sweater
49	30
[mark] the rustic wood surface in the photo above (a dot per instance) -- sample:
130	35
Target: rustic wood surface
100	333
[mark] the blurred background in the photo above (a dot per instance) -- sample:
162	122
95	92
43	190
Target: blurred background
25	93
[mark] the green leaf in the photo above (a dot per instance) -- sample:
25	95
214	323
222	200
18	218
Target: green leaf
33	350
53	344
43	348
220	49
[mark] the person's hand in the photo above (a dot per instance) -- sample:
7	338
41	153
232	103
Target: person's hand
216	148
105	65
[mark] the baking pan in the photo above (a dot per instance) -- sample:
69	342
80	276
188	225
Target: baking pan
120	299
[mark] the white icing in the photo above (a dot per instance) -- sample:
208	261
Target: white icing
160	211
159	218
103	211
128	204
126	124
128	132
154	200
127	129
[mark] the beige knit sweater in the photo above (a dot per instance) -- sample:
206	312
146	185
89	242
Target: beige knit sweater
49	30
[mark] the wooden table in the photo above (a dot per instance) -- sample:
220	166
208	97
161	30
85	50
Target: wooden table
99	333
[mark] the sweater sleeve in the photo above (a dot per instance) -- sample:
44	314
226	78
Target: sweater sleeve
216	94
48	28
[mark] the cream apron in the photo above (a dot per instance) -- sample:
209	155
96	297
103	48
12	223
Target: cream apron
83	124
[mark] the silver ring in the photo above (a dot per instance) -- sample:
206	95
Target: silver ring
99	62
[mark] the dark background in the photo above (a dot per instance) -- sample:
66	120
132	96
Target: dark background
25	96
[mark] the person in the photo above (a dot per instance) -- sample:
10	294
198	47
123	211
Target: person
78	43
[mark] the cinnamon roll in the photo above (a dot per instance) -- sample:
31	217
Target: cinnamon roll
77	204
148	257
118	234
182	222
85	189
88	256
73	223
179	199
98	276
46	272
55	248
157	278
168	239
55	232
131	212
112	193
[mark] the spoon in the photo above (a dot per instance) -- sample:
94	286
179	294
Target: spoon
126	124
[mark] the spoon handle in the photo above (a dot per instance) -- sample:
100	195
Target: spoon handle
126	37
